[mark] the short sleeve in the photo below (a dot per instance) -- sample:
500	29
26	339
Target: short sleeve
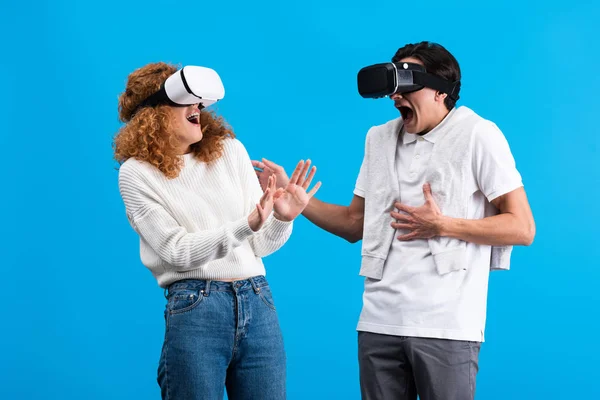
361	181
493	163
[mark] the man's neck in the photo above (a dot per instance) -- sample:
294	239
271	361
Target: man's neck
441	116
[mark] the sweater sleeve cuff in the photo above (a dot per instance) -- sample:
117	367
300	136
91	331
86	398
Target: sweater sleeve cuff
278	229
372	267
241	229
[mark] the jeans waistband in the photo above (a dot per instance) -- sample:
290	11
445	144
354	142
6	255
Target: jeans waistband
205	285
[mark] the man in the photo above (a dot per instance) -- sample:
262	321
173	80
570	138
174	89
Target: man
438	203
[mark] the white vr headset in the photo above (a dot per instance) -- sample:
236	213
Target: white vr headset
189	85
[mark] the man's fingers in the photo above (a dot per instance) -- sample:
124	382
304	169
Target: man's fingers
258	164
271	164
427	192
397	225
409	236
404	207
401	217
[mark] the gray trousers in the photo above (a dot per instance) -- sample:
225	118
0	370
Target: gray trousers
399	368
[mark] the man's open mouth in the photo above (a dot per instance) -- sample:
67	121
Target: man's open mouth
407	113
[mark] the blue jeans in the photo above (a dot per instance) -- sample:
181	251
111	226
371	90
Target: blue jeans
222	335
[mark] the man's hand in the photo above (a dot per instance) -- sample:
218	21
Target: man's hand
344	221
292	200
514	224
424	222
265	168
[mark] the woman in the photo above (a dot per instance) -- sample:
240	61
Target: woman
191	194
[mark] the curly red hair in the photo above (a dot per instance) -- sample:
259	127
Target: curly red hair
148	135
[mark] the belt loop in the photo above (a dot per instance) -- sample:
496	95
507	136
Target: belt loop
206	290
256	288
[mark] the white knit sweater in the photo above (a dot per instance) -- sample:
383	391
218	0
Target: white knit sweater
195	226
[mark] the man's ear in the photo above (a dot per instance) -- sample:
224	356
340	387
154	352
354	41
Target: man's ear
440	96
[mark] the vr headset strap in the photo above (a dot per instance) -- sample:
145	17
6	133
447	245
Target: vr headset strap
437	83
160	97
154	99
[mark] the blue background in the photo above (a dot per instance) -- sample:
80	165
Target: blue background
82	318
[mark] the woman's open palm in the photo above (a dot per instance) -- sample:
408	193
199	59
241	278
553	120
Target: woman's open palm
289	202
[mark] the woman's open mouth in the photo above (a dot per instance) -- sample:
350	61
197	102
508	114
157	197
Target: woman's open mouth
194	118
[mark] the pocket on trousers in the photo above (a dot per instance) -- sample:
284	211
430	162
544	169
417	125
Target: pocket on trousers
183	300
470	344
267	297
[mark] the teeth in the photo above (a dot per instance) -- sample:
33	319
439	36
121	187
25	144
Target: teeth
194	115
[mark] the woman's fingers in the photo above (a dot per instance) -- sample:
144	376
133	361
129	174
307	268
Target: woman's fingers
296	174
310	178
302	176
314	189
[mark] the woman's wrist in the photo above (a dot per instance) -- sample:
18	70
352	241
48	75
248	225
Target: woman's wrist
254	222
281	218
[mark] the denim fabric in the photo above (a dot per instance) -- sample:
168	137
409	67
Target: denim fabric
222	335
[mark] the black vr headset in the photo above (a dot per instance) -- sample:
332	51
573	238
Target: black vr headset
189	85
380	80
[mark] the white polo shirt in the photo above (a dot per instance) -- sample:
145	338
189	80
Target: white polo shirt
412	298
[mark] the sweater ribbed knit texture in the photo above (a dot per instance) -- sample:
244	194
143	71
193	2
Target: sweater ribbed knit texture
195	226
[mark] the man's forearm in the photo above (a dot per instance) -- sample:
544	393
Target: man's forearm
500	230
334	219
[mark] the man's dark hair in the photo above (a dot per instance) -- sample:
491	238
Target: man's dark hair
437	60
